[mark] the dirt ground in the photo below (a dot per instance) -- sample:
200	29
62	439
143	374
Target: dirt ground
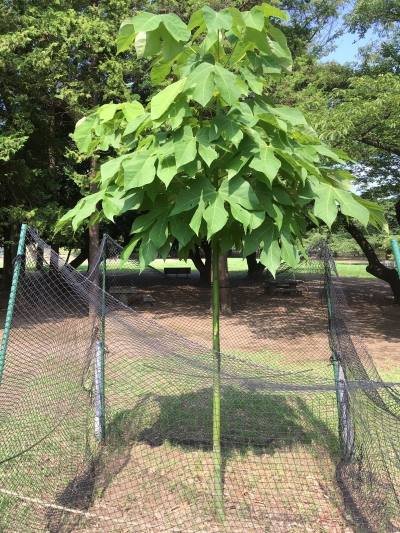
377	319
370	302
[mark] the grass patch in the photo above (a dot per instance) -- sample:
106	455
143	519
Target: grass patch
353	270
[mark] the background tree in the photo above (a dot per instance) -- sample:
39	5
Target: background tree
56	61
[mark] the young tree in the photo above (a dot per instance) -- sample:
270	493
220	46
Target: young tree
211	157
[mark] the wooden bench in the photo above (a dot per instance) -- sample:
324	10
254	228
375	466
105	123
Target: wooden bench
288	287
177	271
122	293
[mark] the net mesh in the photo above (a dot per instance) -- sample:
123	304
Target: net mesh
106	404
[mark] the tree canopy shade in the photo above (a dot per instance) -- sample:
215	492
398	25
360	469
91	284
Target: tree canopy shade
211	156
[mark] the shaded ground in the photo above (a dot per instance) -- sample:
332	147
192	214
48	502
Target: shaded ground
377	318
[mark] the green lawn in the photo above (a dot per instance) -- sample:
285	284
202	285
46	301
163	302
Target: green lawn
353	270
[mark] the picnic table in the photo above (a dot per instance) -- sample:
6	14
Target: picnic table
123	292
290	287
177	271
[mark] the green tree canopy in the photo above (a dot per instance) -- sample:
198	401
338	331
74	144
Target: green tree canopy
212	156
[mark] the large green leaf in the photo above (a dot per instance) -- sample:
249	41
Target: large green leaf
202	78
190	197
144	222
132	110
147	44
254	19
280	38
288	250
176	27
326	152
266	163
377	216
126	35
227	84
170	47
325	204
181	230
132	201
271	253
185	151
127	251
195	223
208	154
83	132
239	191
215	215
256	83
256	219
217	20
87	208
146	22
167	170
241	215
107	111
139	170
159	232
109	169
197	19
253	240
271	11
235	165
147	253
349	206
161	102
112	206
134	124
294	116
160	72
226	126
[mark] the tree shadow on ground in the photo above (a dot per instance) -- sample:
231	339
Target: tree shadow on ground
254	423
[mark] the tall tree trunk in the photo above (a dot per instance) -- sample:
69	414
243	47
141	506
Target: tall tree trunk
81	257
225	291
374	267
7	260
53	176
254	267
203	268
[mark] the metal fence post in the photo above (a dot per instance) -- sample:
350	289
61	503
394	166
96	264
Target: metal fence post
396	252
11	301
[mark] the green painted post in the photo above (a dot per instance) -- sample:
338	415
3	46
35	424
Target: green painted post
11	301
396	253
217	460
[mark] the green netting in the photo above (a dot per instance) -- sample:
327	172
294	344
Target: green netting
301	451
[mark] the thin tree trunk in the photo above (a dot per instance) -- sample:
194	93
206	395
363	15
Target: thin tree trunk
217	459
254	267
374	267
